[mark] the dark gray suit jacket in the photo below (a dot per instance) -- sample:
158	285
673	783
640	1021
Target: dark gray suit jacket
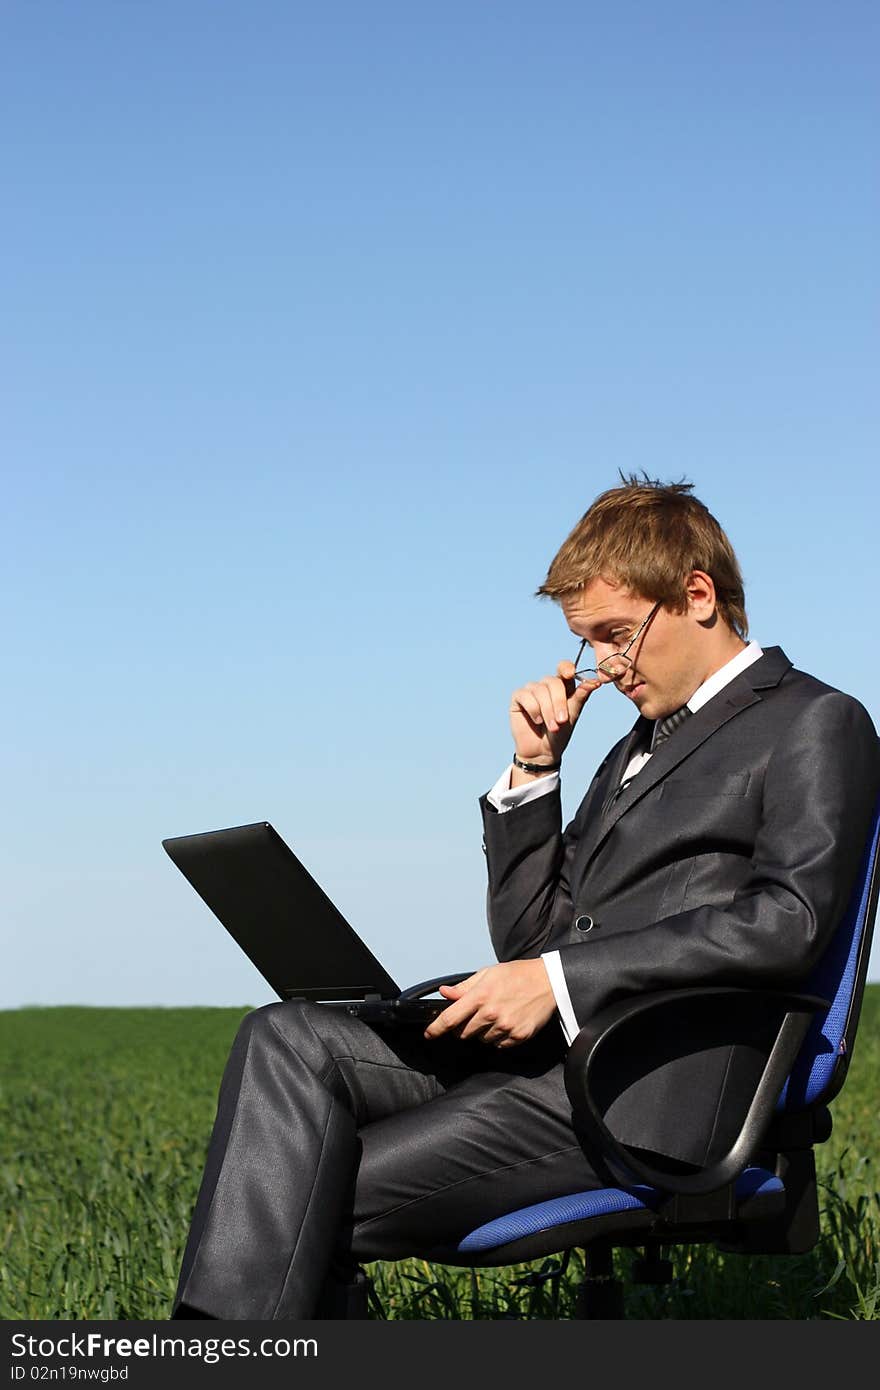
728	859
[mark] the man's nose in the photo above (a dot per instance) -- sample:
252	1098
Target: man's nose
603	650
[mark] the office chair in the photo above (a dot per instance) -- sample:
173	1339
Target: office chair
761	1195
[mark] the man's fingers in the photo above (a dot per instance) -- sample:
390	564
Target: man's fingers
495	1005
458	1012
581	694
549	712
580	690
548	705
559	697
545	702
475	1030
469	981
526	702
555	702
557	694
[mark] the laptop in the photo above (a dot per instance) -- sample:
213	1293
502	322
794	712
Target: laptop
288	927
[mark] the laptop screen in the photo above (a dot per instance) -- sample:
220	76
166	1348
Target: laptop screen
282	920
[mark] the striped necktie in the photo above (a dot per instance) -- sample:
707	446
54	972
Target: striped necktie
664	727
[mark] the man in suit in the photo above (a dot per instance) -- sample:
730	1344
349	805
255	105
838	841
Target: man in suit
717	844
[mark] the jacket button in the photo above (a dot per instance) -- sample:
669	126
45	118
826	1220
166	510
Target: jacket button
584	923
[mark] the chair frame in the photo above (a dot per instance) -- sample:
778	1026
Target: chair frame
701	1206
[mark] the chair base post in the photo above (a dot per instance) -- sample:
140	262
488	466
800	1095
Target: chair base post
345	1300
600	1295
357	1296
652	1268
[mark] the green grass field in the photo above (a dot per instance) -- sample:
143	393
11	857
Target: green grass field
105	1119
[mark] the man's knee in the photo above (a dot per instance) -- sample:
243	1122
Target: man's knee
268	1016
286	1024
315	1033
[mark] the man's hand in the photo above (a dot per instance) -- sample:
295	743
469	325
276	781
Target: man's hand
543	713
502	1005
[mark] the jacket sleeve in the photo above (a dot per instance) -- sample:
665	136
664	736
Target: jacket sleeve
529	860
821	785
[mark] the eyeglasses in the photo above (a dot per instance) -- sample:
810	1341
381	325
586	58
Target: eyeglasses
618	663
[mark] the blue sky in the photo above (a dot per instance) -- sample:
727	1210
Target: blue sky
322	327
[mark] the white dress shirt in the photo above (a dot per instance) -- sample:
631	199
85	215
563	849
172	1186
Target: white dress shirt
505	798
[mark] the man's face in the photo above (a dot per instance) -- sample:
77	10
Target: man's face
669	658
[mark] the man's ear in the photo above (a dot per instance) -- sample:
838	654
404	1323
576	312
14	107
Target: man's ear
700	590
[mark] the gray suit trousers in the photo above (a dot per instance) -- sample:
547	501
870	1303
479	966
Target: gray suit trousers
337	1143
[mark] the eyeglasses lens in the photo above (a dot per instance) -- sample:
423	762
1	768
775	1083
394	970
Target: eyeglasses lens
612	666
615	666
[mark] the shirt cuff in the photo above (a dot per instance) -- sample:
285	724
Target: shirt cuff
553	965
504	797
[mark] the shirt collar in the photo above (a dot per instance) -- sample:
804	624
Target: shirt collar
722	677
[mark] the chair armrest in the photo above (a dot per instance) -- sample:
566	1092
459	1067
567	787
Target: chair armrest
718	1010
429	986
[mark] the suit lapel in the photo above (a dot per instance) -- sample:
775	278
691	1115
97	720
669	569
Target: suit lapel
767	671
638	738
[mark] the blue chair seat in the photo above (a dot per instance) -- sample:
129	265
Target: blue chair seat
585	1206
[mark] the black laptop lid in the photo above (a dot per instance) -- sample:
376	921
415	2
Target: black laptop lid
285	924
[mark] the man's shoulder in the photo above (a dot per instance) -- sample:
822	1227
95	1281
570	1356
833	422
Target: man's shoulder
799	689
775	668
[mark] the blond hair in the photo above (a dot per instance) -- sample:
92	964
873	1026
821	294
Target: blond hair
649	536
